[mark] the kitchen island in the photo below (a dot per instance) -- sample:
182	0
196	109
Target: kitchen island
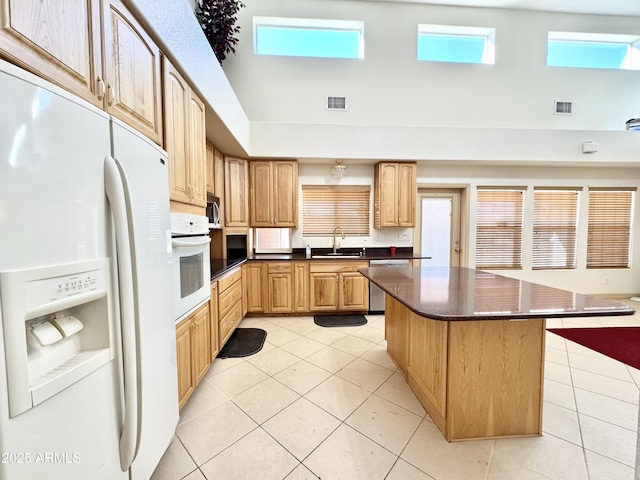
471	344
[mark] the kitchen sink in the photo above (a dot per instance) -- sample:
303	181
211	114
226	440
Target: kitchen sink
337	255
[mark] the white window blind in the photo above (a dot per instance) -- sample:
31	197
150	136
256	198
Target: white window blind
609	239
555	228
326	207
499	228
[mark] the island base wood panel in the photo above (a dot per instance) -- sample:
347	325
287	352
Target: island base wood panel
495	378
476	379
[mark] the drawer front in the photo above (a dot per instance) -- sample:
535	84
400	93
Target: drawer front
280	267
229	279
228	298
229	322
337	267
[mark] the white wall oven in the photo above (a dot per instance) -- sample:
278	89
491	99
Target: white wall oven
191	264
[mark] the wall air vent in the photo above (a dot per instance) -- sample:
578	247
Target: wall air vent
562	108
336	103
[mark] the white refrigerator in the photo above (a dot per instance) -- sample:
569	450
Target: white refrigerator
88	383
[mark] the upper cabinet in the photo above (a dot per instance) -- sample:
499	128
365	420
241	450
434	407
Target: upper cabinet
185	139
131	71
215	174
210	169
58	40
394	194
236	192
274	193
61	41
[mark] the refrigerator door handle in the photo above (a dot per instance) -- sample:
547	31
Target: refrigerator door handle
115	186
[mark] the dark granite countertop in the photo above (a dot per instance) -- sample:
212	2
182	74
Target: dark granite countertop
373	253
220	265
457	293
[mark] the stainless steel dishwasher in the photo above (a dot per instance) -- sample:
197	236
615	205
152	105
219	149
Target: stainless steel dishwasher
376	295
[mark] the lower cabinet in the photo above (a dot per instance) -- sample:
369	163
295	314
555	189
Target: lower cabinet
230	304
277	287
193	350
337	286
256	287
301	287
213	321
305	287
280	287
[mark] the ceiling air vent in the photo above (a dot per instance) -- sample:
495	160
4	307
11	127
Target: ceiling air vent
562	108
336	103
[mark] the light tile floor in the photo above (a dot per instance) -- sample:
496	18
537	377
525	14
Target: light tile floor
330	404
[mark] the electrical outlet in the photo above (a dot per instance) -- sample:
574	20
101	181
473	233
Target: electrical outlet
403	236
605	280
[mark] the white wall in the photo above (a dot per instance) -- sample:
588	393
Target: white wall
390	87
581	279
399	108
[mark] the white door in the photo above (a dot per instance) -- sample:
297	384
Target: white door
439	230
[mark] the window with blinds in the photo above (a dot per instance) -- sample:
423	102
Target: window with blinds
555	228
609	229
326	207
499	228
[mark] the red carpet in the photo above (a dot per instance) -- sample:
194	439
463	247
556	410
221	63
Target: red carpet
619	343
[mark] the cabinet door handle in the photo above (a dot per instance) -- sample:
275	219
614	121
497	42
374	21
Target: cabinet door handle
110	94
101	88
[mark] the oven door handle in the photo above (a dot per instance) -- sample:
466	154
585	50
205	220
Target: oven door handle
178	243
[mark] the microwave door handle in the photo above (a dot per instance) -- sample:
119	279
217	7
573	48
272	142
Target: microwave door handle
115	188
216	213
177	243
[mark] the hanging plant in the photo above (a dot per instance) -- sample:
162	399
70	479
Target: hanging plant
217	19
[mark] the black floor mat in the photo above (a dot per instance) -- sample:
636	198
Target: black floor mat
340	320
243	342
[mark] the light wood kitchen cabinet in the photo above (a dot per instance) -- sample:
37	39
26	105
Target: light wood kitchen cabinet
96	50
185	139
243	279
218	180
394	194
58	40
273	193
213	321
193	347
256	287
236	192
337	286
215	172
184	354
301	287
210	169
323	291
354	294
280	287
131	71
230	294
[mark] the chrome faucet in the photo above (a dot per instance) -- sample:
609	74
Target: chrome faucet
336	247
